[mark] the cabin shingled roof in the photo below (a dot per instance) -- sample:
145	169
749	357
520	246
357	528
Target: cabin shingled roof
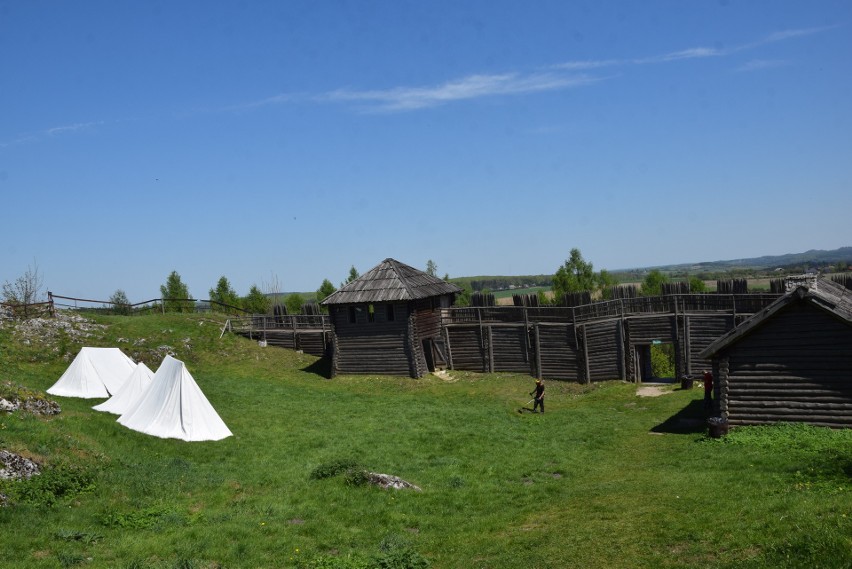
828	295
391	281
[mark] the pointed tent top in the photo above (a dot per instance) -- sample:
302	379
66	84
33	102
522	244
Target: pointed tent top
173	407
133	388
391	281
824	293
94	373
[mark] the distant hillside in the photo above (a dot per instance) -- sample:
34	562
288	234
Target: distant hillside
815	258
791	262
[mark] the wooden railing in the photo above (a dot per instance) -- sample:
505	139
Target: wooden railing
257	323
31	310
140	307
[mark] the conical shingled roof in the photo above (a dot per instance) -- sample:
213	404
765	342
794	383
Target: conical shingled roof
391	281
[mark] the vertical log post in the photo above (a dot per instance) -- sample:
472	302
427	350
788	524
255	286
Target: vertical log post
538	373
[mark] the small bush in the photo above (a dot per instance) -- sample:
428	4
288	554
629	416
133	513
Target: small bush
69	558
335	562
333	468
137	519
396	552
356	477
81	536
51	485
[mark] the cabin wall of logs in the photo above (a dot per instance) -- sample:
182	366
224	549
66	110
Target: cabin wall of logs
795	367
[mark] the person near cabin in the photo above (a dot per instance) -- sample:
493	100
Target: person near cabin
538	392
708	389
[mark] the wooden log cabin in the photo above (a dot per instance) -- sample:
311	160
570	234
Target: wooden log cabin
790	362
388	321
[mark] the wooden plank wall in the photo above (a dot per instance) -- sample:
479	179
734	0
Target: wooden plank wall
553	350
511	349
700	331
379	347
467	346
796	367
558	354
309	341
603	350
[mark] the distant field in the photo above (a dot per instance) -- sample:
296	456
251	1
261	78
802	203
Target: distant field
529	290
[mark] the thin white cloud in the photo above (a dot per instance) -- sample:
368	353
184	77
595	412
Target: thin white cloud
758	64
587	64
691	53
471	87
70	128
50	132
695	52
796	33
274	100
556	77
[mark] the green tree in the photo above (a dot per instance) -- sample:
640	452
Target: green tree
294	303
176	289
605	281
353	274
575	275
119	302
431	268
256	302
224	294
325	290
653	283
697	285
463	298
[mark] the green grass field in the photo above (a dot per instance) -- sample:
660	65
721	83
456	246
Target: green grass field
528	290
603	479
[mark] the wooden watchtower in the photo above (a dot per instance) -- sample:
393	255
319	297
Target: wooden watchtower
388	321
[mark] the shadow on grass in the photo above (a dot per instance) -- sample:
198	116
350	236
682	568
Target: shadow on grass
321	367
690	419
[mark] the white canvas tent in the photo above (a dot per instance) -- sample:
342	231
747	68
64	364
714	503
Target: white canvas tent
173	407
131	391
95	372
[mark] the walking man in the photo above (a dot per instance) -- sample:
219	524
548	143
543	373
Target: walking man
539	395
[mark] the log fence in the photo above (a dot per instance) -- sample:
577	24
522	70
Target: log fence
593	341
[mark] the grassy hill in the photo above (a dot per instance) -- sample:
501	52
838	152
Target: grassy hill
603	479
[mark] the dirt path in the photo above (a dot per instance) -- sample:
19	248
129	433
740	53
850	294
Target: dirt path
652	391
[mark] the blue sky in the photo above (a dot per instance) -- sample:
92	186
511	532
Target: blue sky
289	140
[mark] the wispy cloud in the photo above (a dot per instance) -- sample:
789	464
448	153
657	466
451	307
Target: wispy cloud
698	52
560	76
587	64
471	87
796	33
49	133
268	101
70	128
691	53
758	64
